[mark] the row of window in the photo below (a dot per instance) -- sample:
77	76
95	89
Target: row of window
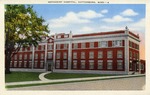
24	64
91	64
116	43
91	54
49	56
133	55
133	45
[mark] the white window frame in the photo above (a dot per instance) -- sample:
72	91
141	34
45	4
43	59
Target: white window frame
42	55
117	43
74	55
59	36
65	55
91	54
65	46
66	36
100	64
119	54
83	45
25	56
91	44
75	45
91	64
100	54
109	54
15	63
41	64
36	55
103	44
119	64
57	63
109	64
20	63
50	55
58	46
25	64
20	56
75	64
82	55
15	56
30	64
50	47
42	47
35	64
64	63
58	55
82	64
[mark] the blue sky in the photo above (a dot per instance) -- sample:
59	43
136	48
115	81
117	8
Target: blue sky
89	18
86	18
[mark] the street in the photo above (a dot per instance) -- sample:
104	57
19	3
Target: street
136	83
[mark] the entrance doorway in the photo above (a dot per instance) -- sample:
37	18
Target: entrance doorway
50	64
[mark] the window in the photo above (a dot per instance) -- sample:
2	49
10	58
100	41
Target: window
64	63
65	55
119	64
25	49
91	44
58	46
50	40
65	36
91	63
130	54
25	56
83	45
117	43
130	44
82	55
58	64
25	63
30	64
37	48
15	57
109	54
42	47
20	56
109	64
58	55
50	47
75	45
15	63
20	63
31	48
59	36
50	55
36	56
42	55
119	54
82	64
100	64
74	55
35	64
142	67
74	64
100	54
91	54
20	49
65	46
30	56
41	64
10	63
103	44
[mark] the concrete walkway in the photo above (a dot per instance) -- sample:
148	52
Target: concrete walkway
44	80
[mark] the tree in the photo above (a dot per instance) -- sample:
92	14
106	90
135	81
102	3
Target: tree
23	28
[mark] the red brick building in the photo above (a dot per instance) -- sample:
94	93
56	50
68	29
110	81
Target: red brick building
114	52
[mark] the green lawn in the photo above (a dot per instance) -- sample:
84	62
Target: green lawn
68	75
21	76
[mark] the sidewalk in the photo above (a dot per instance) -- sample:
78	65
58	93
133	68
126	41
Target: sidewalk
69	80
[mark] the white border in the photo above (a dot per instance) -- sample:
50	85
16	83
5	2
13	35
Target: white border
3	91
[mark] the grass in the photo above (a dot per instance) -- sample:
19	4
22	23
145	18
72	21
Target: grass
68	75
38	84
21	76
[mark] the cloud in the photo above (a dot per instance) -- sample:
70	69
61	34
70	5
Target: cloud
129	12
117	19
74	18
86	29
89	14
104	11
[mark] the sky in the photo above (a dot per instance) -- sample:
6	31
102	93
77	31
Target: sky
90	18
